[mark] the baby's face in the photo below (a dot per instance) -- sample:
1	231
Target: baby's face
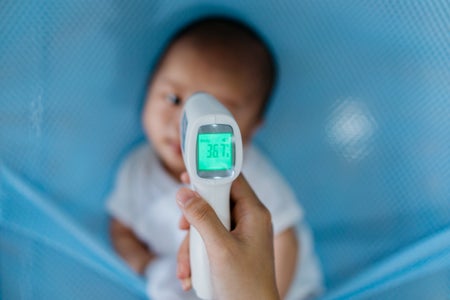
185	70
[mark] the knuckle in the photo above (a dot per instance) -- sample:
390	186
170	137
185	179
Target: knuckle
199	210
261	217
265	216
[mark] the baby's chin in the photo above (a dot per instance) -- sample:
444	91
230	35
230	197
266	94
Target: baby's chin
174	165
171	159
175	170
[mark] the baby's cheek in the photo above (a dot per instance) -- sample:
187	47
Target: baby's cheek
151	128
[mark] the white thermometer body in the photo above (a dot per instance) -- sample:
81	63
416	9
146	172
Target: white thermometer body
212	151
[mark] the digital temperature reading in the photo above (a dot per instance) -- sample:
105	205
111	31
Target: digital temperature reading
215	151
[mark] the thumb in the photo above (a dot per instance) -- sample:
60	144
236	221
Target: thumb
203	217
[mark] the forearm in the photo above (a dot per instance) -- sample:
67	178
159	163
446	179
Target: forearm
129	247
286	252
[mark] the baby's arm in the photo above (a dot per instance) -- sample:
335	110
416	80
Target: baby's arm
286	249
129	247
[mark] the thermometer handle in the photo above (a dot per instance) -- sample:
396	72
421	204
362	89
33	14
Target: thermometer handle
218	196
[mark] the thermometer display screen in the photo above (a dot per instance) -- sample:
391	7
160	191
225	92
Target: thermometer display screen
215	151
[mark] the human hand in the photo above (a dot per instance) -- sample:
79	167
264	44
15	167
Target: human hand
242	260
135	252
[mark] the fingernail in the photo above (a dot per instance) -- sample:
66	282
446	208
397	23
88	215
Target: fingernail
186	283
184	195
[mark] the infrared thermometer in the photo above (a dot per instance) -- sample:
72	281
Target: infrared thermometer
211	144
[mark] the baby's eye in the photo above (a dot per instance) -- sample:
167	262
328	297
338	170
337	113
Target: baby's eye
173	99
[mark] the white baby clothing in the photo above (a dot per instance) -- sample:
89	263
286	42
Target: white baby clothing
143	198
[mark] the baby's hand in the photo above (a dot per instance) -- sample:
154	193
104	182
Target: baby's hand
130	248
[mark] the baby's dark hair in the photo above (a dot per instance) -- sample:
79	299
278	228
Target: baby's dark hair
230	33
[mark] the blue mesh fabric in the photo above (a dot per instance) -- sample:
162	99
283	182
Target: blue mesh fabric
359	125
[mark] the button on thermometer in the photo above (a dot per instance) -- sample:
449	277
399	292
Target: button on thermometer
211	144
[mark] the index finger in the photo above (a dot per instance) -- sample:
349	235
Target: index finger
244	200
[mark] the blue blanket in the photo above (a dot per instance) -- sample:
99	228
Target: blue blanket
359	125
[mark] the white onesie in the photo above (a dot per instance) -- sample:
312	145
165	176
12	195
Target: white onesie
144	199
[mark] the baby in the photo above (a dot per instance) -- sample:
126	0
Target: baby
229	61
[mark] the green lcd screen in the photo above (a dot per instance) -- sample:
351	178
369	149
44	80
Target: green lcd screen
215	151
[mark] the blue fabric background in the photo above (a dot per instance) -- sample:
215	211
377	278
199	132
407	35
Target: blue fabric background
359	125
